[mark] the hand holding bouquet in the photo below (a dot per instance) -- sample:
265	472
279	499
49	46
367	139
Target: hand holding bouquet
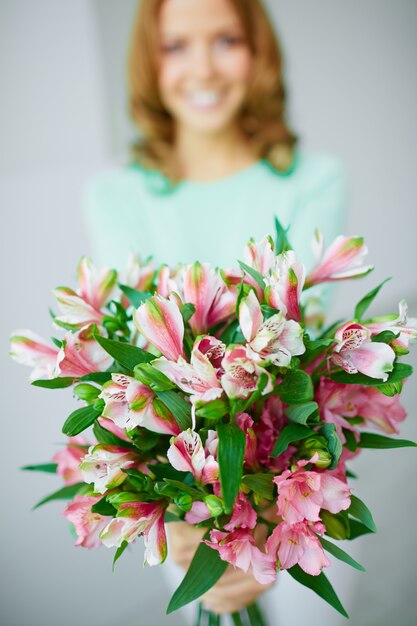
218	398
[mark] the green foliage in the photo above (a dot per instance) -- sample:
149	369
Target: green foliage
187	310
360	511
300	413
205	570
80	419
135	297
320	585
153	378
375	441
108	438
231	450
290	434
119	553
49	468
124	353
53	383
367	300
296	388
180	408
86	392
65	493
400	371
257	277
216	409
340	554
337	524
334	445
281	241
261	484
103	507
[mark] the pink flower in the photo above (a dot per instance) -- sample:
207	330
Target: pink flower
96	288
104	465
139	518
129	403
245	422
88	525
337	402
198	378
69	459
261	257
355	352
301	494
382	411
138	274
241	374
199	512
271	421
274	340
160	322
407	327
238	548
81	354
214	301
298	543
343	259
285	284
186	453
213	349
30	349
243	515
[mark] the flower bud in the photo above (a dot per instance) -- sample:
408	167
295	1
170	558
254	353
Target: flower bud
86	392
315	443
214	505
184	501
337	526
324	460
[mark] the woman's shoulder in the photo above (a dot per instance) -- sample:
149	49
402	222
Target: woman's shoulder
316	169
115	183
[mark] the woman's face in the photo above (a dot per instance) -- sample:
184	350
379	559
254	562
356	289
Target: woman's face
204	63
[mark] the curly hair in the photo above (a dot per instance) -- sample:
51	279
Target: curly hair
262	117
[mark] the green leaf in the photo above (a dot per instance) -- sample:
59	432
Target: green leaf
215	409
360	511
97	377
187	310
135	297
367	300
103	507
281	242
391	389
119	553
171	517
289	434
300	413
54	383
205	570
153	378
296	388
375	441
340	554
357	529
165	470
320	585
65	493
231	450
257	277
180	408
262	484
50	468
143	438
334	444
337	524
400	371
386	336
79	420
183	487
109	439
124	353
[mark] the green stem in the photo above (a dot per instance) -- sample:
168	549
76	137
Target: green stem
255	615
236	619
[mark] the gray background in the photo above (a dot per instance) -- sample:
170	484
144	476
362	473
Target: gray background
352	81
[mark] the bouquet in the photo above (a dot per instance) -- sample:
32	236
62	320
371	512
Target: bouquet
218	397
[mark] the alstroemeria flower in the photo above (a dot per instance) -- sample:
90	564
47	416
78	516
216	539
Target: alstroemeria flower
186	453
138	274
407	327
382	411
238	548
243	516
88	525
337	402
213	349
129	403
69	458
104	465
301	494
198	378
274	340
96	288
30	349
284	285
343	259
245	422
214	301
298	543
81	354
355	352
241	374
261	257
271	421
139	518
160	322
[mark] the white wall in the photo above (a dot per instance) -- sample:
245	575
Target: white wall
353	92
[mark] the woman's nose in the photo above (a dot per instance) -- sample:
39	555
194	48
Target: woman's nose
202	64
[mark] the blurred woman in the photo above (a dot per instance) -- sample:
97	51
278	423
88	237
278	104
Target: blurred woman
215	162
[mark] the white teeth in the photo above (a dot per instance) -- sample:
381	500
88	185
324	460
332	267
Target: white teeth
204	98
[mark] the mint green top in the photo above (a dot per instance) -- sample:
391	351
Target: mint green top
131	209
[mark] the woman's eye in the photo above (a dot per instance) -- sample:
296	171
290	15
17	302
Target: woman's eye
171	48
228	41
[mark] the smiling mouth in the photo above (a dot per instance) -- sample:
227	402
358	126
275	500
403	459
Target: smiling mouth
205	100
